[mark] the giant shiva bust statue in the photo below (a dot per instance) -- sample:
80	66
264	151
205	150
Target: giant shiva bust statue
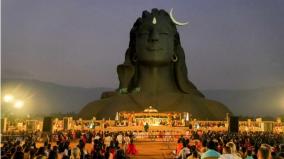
154	73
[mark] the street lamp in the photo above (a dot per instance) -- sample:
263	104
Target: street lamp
19	104
8	98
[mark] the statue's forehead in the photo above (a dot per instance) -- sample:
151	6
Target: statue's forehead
161	24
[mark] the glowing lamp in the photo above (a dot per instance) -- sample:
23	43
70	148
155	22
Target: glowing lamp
19	104
8	98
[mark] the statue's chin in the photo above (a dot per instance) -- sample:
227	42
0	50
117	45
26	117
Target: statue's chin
155	62
155	59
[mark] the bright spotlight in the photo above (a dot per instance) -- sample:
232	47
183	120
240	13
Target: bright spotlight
19	104
8	98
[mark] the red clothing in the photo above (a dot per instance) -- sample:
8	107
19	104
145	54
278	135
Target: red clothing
179	147
220	149
198	145
84	138
112	151
131	149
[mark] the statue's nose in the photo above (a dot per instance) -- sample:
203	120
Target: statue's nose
154	36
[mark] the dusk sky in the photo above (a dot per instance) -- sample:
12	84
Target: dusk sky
229	44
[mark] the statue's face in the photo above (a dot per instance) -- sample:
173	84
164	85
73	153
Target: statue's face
155	42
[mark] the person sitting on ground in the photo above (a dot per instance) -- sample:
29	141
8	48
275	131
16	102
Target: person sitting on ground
179	146
194	155
53	153
264	152
26	152
211	151
280	155
41	153
19	154
227	153
233	150
249	154
185	152
75	153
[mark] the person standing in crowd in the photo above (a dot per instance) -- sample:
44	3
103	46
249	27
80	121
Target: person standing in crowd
131	148
146	127
127	139
119	139
107	140
81	146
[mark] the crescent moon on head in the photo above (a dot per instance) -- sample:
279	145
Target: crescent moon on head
175	21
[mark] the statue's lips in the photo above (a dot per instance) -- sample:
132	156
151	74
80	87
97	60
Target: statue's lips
154	49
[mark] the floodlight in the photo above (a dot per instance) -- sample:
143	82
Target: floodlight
8	98
19	104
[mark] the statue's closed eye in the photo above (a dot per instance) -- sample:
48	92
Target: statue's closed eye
143	33
164	33
147	33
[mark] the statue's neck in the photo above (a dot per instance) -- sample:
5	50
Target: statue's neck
157	79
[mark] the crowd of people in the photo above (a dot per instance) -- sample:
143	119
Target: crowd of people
120	145
224	145
103	146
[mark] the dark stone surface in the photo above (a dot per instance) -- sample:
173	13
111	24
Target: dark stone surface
154	73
